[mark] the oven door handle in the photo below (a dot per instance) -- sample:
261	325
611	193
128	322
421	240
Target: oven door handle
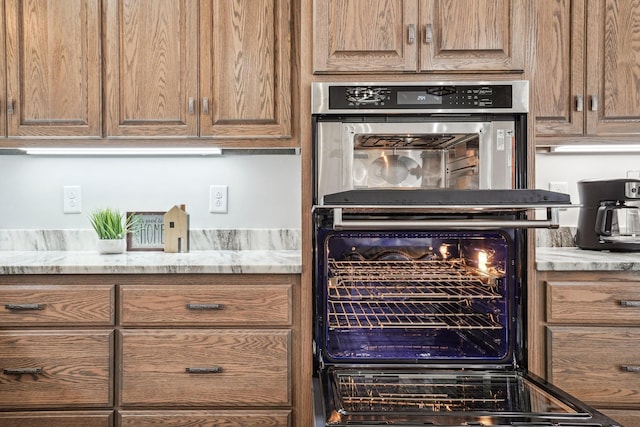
339	223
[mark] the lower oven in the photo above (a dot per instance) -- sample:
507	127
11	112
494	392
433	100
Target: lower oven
420	290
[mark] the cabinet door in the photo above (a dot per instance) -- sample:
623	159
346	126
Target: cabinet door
613	49
53	68
362	36
558	69
151	68
3	93
245	70
472	35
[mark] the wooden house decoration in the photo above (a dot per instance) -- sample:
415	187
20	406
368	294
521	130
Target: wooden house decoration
176	230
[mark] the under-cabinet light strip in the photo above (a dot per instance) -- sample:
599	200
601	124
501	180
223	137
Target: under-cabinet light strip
122	151
601	148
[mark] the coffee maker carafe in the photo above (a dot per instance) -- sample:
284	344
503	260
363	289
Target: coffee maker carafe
609	217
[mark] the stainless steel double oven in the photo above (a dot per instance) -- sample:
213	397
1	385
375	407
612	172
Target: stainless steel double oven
420	212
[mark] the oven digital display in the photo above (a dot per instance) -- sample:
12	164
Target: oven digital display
418	98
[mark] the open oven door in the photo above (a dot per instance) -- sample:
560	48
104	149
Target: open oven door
372	397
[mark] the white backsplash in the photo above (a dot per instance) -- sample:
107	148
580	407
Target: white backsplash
264	190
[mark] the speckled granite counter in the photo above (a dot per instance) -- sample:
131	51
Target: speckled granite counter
274	251
575	259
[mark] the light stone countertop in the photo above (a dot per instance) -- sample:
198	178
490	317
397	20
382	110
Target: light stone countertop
275	251
194	262
576	259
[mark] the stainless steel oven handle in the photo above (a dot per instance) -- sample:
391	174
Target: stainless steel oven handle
339	223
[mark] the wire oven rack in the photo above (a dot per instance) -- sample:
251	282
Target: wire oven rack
409	294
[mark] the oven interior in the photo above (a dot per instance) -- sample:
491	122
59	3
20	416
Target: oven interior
417	296
438	160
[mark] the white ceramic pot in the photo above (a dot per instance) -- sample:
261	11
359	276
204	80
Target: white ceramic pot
112	246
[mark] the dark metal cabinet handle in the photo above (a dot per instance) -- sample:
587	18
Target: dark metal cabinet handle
10	107
24	307
22	371
579	103
594	102
625	303
192	105
204	370
627	368
191	306
205	105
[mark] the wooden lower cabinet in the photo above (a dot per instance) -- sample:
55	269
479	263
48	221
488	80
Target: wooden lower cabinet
628	418
150	350
275	418
205	368
585	338
57	419
55	368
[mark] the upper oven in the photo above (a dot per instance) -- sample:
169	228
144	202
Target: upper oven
441	136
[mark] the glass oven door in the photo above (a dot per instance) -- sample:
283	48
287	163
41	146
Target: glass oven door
408	397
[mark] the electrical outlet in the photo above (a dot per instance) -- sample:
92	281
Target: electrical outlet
218	199
559	187
71	199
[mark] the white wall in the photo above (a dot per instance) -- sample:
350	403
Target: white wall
264	190
571	168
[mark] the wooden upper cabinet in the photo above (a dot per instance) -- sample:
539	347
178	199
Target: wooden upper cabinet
583	76
558	79
53	63
3	93
472	35
363	36
245	70
151	68
212	69
360	36
613	49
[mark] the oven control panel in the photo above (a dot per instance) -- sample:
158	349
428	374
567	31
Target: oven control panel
426	97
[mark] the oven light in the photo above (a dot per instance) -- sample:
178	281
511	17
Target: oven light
482	261
444	251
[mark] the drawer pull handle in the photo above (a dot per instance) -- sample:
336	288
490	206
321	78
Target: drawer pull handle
627	368
205	370
630	303
191	306
23	307
22	371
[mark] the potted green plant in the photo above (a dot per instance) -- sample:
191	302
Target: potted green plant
112	228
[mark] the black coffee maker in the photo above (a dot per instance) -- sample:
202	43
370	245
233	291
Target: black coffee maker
609	217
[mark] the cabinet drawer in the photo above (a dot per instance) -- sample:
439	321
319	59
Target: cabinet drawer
628	418
46	305
56	419
205	367
204	418
206	305
56	368
598	365
593	302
